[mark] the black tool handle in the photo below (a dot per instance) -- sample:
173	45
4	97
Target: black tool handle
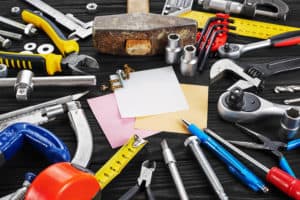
130	193
276	67
286	39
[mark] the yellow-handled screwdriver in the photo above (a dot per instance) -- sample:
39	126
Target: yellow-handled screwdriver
52	63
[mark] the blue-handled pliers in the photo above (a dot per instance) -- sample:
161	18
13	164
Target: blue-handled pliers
274	147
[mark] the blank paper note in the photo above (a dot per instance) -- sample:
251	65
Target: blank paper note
197	97
150	92
116	129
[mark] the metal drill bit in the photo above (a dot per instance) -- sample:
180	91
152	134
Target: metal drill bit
288	88
290	101
171	162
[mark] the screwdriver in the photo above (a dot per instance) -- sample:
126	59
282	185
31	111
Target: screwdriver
280	179
237	168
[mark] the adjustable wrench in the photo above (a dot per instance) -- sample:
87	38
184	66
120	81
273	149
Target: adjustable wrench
234	51
253	75
243	107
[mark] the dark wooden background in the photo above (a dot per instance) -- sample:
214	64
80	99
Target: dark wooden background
197	186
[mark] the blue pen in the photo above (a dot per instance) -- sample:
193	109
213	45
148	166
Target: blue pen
234	165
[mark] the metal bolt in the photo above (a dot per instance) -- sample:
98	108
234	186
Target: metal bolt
92	7
15	36
15	10
5	43
28	29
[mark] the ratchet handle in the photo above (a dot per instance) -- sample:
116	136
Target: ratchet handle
64	45
51	63
286	39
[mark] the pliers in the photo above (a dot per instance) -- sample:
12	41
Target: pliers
143	182
274	147
52	63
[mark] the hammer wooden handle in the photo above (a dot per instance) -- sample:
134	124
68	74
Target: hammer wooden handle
138	6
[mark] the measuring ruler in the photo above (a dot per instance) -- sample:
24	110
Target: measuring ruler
244	27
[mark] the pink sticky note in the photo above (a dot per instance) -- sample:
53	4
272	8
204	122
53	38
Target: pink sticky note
116	129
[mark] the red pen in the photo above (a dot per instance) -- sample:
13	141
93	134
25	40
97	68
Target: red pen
275	176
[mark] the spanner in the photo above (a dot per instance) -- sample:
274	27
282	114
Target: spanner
244	107
234	51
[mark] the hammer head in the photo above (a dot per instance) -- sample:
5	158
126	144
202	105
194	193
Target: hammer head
218	70
140	34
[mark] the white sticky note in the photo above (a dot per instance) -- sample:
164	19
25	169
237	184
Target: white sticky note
151	92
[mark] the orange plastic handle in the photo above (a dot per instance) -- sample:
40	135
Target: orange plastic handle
63	181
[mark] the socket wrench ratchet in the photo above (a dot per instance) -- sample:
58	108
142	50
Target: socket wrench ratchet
234	51
244	107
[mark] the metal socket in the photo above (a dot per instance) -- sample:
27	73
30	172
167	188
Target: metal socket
289	123
24	85
173	49
188	61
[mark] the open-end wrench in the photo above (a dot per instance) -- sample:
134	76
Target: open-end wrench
243	107
234	51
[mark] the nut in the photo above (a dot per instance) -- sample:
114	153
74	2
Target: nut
15	10
91	7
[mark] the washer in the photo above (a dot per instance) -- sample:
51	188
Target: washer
45	49
91	7
30	46
15	10
3	71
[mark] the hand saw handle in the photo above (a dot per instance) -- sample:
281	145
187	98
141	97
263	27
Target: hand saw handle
51	63
286	39
13	137
64	45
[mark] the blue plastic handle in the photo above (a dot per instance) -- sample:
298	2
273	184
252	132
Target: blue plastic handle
237	168
283	163
13	137
294	144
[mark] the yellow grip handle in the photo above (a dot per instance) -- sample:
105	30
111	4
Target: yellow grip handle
64	45
51	63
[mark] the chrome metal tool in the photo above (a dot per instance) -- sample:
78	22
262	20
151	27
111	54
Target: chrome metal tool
249	8
47	111
78	31
25	82
177	7
171	163
243	107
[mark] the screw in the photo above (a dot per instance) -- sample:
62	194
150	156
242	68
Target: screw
11	35
5	43
28	29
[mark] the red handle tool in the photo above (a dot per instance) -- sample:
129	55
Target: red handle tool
286	39
285	182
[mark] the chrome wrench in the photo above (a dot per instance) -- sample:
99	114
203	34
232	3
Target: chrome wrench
64	20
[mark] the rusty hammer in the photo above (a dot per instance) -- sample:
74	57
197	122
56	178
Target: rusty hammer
140	33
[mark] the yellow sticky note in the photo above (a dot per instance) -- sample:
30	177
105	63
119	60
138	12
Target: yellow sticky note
197	98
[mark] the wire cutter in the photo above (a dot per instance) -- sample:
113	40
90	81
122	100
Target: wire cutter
52	63
274	147
143	182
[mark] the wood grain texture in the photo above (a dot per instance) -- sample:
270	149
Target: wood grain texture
138	6
197	186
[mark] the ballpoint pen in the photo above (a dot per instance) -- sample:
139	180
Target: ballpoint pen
234	165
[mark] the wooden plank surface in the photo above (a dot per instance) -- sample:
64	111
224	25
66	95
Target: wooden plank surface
197	186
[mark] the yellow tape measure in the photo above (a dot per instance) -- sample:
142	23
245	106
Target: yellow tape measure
117	163
244	27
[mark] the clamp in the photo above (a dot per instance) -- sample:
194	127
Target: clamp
51	63
143	182
13	137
